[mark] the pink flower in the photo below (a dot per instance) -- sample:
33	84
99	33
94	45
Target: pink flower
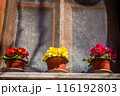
107	49
112	54
100	52
98	47
92	52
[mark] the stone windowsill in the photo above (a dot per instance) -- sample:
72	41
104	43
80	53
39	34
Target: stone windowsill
57	76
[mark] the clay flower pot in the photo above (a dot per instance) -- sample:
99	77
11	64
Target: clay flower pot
16	64
56	63
101	64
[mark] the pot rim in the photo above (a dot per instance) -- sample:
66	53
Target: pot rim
57	57
16	59
101	59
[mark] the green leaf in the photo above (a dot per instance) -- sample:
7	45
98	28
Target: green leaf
88	60
113	61
17	57
27	63
95	55
84	59
105	56
68	61
4	57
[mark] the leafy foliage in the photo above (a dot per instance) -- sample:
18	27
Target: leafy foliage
18	53
99	51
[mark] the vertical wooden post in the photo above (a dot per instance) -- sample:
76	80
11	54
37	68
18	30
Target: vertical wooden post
53	26
2	13
8	34
66	29
8	30
63	31
56	31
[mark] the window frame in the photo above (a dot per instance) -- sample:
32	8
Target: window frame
62	23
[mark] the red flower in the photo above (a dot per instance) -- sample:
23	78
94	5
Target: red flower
21	56
27	53
27	58
12	51
17	51
23	50
7	52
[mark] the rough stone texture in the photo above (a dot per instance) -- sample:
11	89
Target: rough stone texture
89	28
49	1
57	76
34	33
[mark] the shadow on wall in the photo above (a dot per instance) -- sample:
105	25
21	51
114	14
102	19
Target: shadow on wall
41	40
40	35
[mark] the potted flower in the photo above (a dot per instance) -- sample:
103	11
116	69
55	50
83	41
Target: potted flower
101	57
56	58
14	58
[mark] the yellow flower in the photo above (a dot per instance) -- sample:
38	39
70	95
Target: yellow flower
56	52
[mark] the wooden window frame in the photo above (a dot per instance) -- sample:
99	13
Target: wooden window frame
8	32
61	35
59	38
2	13
113	32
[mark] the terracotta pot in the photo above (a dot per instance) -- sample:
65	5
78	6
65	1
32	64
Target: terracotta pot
16	63
101	64
56	63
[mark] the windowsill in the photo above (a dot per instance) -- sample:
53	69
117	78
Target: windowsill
58	76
